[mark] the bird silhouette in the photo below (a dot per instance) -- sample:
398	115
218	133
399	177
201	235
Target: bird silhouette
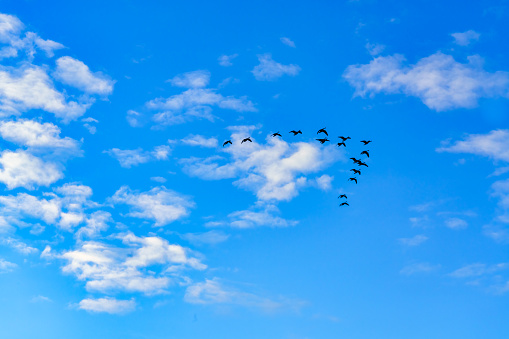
323	131
360	163
295	132
341	143
246	139
344	204
344	139
276	134
227	142
365	152
366	142
355	160
343	196
323	140
353	179
356	171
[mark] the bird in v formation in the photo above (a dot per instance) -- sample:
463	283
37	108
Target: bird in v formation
322	141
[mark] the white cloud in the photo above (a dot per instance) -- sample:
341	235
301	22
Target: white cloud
29	87
419	268
108	305
21	169
10	27
287	42
269	70
456	223
107	268
226	60
35	135
494	145
199	140
414	241
195	103
324	182
439	81
160	204
6	266
465	38
75	73
129	158
195	79
158	179
274	171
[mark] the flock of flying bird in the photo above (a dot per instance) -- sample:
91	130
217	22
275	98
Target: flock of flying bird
322	141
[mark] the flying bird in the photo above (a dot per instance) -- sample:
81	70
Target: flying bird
323	140
341	143
246	139
344	139
343	196
360	163
344	204
227	142
356	171
276	134
353	179
355	160
366	142
323	131
295	132
365	152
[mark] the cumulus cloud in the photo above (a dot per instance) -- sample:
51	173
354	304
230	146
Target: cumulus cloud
439	81
108	305
6	266
160	204
226	60
32	134
195	79
465	38
270	70
494	145
134	157
21	169
287	42
75	73
275	170
199	140
106	268
30	87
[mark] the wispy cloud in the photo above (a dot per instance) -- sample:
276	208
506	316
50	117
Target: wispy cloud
6	266
494	145
419	268
226	60
287	42
465	38
199	140
270	70
414	241
128	158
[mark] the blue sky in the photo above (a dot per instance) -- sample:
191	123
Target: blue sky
121	214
